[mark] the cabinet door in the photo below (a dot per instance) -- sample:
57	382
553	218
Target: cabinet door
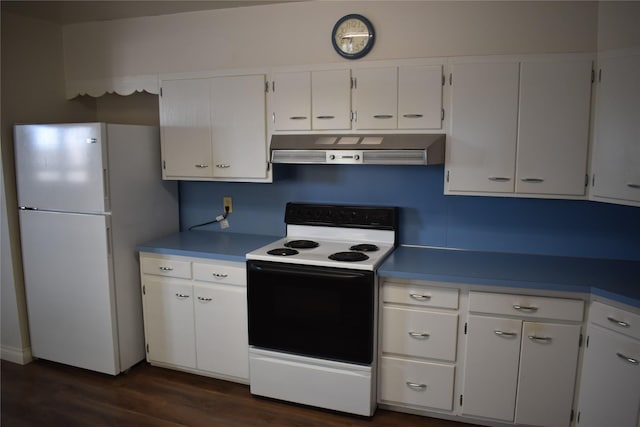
484	116
491	367
375	98
238	127
553	128
546	380
186	128
292	101
331	99
420	97
168	317
221	329
616	161
610	381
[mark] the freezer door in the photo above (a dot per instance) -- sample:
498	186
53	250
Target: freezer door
62	167
70	297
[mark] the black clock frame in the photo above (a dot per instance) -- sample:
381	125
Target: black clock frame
368	46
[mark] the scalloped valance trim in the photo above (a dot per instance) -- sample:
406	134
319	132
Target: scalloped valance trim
119	85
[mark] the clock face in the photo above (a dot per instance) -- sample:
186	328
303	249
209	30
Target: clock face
353	36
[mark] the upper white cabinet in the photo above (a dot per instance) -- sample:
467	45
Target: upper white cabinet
369	98
420	97
616	156
405	97
214	128
305	100
519	127
331	99
291	100
375	98
484	112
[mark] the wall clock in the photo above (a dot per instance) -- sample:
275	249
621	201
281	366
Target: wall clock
353	36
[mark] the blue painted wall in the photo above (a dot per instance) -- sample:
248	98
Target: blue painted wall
427	216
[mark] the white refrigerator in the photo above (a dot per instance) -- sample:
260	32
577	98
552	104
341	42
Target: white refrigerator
88	193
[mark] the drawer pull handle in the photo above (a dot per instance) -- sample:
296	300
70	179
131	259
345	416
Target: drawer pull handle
526	308
325	117
628	359
499	178
420	297
536	338
220	275
179	295
201	166
298	118
633	185
505	334
416	386
166	268
412	116
383	116
618	322
533	180
204	299
420	335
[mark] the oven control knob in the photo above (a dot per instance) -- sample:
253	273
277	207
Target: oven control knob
332	156
356	157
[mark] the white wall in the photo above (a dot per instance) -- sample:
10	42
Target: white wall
32	91
299	33
618	25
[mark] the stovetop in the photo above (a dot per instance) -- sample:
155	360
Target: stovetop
356	237
322	255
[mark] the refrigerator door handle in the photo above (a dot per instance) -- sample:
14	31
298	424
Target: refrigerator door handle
108	240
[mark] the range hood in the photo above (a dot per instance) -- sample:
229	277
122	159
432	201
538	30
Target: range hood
374	149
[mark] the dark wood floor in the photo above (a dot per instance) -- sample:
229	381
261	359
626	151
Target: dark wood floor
48	394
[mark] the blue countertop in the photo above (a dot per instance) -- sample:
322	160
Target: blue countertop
208	244
617	280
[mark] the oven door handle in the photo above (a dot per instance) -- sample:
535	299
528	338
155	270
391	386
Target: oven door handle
298	270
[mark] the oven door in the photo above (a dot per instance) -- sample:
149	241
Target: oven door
314	311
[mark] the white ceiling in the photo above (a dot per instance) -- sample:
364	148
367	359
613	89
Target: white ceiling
75	11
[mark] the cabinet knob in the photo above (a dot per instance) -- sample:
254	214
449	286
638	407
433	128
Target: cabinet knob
525	308
420	335
505	334
420	297
628	359
417	386
618	322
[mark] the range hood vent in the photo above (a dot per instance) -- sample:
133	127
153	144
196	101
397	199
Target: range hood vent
391	149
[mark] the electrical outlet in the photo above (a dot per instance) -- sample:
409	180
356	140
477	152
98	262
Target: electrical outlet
227	204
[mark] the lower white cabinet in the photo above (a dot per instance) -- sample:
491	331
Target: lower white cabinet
195	315
418	345
521	368
610	379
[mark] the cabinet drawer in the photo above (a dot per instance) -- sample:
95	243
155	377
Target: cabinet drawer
220	273
419	333
526	306
417	383
166	267
616	319
420	295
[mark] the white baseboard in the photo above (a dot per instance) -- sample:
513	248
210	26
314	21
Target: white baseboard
16	355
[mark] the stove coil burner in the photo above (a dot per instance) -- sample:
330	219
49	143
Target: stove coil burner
302	244
282	252
364	247
349	256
